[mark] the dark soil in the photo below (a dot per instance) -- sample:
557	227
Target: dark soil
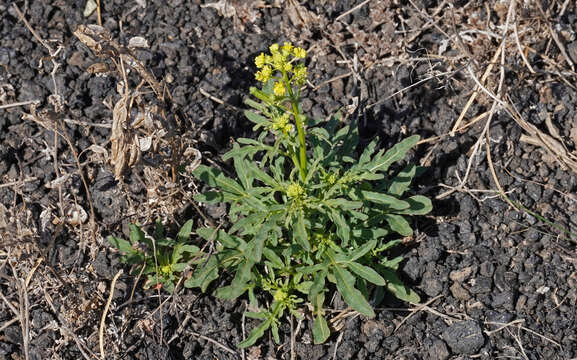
495	282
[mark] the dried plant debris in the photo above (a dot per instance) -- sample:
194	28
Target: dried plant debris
137	125
243	13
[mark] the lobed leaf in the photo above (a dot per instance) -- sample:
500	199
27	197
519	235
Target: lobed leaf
394	154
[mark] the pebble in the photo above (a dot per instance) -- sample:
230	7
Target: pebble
464	337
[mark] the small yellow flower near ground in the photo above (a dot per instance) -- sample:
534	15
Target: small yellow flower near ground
287	48
299	53
260	60
274	48
264	75
279	89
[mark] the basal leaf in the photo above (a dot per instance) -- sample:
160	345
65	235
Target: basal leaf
401	182
185	230
321	330
136	234
394	154
418	205
390	201
362	250
353	297
397	288
256	334
366	273
398	224
230	292
121	244
343	203
203	276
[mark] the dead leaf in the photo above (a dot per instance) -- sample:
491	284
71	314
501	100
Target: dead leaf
223	7
299	15
76	215
98	68
138	42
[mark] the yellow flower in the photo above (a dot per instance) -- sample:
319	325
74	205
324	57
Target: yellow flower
287	48
279	89
278	61
300	74
274	48
299	53
287	67
264	75
260	60
295	190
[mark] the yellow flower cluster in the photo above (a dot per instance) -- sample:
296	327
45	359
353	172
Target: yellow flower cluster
295	191
282	123
281	59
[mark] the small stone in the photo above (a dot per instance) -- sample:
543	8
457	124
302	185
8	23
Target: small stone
461	275
481	285
438	350
459	292
464	337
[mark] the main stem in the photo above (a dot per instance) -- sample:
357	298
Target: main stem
300	129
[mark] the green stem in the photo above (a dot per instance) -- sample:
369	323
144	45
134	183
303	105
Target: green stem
300	128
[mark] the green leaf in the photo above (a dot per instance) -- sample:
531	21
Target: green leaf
394	154
262	176
256	334
121	244
343	229
397	288
273	258
321	330
185	230
368	152
304	286
207	233
343	204
390	201
179	267
418	205
300	232
255	118
241	169
230	292
215	178
366	273
353	297
214	197
259	240
399	224
203	276
401	182
136	234
255	315
362	250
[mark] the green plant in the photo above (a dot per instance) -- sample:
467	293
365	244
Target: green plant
306	213
163	259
